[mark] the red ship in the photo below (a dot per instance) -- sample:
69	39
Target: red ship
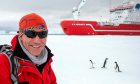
125	20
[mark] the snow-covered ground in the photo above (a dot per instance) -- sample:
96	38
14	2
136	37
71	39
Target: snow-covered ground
72	54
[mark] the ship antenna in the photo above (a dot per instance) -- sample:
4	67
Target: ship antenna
76	10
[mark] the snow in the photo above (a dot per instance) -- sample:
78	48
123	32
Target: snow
72	54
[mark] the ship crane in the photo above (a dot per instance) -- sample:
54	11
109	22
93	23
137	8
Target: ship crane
76	10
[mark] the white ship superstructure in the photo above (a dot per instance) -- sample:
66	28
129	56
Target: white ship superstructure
127	13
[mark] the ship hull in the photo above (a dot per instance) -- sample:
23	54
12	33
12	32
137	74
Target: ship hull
76	27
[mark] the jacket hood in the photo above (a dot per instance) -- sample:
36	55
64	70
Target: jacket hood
14	42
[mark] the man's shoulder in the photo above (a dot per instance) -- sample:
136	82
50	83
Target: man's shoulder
2	57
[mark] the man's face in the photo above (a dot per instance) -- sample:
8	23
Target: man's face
33	45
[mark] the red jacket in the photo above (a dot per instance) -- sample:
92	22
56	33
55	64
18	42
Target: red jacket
28	73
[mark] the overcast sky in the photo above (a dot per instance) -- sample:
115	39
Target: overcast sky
52	10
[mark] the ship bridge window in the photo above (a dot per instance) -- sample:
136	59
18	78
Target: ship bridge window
137	6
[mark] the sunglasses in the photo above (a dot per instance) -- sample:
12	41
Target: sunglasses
32	33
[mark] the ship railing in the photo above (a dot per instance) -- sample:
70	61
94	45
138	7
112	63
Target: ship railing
106	23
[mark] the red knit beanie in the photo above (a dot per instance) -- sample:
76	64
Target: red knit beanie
32	20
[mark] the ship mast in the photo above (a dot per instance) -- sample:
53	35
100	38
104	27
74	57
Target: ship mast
76	10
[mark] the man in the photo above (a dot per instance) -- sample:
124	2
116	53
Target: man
33	56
